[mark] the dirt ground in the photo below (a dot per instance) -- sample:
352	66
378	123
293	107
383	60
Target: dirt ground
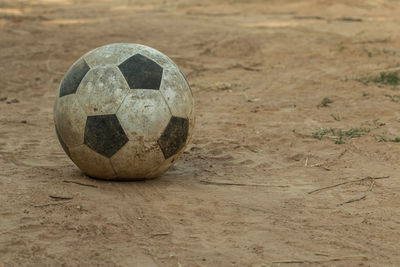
243	193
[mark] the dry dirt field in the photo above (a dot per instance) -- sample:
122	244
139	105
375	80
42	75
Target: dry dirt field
294	159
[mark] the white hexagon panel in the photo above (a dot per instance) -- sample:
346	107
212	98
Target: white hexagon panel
70	121
177	92
144	115
102	90
124	111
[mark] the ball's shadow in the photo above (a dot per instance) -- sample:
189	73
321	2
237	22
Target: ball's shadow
141	180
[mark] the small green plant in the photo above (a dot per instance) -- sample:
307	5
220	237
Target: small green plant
369	53
394	98
325	102
364	80
389	52
390	78
381	138
320	133
387	78
376	52
356	132
365	94
377	123
335	117
340	136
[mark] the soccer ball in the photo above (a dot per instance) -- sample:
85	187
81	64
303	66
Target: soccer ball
124	111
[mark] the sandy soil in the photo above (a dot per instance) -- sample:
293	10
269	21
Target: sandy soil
240	196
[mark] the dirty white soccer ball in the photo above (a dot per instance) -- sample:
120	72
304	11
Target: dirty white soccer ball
124	111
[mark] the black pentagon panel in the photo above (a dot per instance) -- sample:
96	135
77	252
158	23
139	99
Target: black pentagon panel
63	145
190	88
73	78
141	72
104	134
174	136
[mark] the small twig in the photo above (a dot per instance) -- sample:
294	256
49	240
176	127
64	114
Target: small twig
48	204
321	254
159	234
363	258
372	41
240	184
353	200
301	134
251	208
354	181
291	261
243	67
79	183
343	152
349	19
306	163
320	165
60	198
309	17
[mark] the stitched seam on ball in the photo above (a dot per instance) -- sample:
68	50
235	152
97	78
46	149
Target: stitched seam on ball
112	166
123	100
166	103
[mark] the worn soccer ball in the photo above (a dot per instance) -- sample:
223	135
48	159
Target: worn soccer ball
124	111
